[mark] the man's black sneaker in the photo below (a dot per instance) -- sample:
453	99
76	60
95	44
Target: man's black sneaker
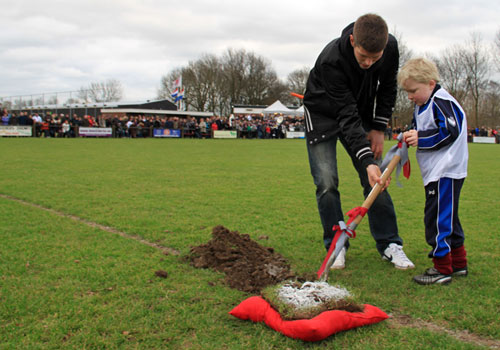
432	276
460	272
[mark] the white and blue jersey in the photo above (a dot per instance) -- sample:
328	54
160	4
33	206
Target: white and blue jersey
442	155
442	137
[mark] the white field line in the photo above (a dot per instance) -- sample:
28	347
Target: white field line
398	320
163	249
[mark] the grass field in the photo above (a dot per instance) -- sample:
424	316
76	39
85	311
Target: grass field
70	285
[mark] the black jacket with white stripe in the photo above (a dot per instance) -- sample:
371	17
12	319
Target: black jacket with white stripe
340	96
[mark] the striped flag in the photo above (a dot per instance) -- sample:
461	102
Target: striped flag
175	93
180	96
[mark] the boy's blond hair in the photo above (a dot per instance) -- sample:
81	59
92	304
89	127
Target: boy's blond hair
421	70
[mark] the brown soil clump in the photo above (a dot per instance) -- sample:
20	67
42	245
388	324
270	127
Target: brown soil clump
248	266
161	273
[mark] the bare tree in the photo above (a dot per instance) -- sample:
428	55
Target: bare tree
248	78
477	71
279	91
403	108
233	68
202	83
259	79
496	49
106	91
297	80
53	100
490	107
6	104
452	68
216	84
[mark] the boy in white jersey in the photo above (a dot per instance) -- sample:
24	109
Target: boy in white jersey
442	154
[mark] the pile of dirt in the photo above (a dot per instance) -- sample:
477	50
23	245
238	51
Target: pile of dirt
248	266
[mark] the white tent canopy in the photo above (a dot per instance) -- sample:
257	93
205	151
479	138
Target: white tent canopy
299	111
277	107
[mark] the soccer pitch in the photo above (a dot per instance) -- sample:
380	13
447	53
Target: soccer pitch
82	220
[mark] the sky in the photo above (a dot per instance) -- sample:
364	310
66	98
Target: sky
64	45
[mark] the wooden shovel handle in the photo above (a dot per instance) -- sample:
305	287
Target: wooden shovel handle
377	188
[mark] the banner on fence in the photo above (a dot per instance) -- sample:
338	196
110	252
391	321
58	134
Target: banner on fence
295	134
166	133
95	132
225	134
16	130
483	139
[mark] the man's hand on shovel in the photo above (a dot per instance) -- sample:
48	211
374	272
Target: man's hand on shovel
374	176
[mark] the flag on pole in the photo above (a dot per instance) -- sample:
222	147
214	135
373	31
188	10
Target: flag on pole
175	93
180	95
177	83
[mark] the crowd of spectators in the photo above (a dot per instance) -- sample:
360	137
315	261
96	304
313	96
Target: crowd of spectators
138	126
483	131
261	127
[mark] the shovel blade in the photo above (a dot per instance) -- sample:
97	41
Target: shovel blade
332	254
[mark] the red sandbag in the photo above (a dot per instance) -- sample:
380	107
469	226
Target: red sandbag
318	328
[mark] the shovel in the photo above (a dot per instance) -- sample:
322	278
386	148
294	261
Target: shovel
399	153
344	231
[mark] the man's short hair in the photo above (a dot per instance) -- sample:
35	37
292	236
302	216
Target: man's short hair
421	70
371	33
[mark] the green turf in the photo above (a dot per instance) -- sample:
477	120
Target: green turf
65	285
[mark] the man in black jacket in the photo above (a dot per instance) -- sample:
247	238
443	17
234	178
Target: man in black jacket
350	75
